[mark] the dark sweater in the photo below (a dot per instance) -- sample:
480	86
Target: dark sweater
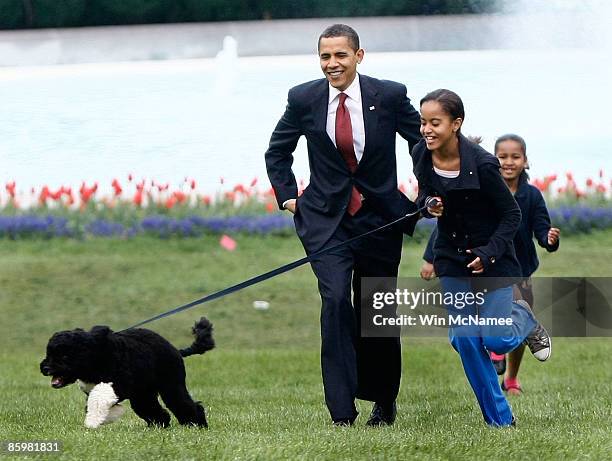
535	222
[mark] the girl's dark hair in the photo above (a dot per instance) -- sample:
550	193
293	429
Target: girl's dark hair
449	100
524	177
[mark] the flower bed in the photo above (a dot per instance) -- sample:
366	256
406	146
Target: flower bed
151	208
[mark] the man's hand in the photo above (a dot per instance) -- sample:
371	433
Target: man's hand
290	205
553	235
427	271
436	210
476	265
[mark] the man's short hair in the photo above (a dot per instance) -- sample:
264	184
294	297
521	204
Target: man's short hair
341	30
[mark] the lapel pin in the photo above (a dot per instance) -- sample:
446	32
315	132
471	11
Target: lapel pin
372	107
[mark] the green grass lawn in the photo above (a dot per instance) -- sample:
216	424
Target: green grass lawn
262	384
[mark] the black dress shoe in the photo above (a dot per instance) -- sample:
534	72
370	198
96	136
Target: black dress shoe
382	415
344	422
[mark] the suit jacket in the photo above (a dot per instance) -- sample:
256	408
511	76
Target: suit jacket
386	111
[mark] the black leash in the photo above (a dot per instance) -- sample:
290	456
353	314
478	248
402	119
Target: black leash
277	271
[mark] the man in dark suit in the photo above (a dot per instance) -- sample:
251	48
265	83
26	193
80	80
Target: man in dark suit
350	123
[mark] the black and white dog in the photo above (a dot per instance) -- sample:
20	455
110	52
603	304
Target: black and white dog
136	364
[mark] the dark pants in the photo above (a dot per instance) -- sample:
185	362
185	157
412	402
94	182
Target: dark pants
353	366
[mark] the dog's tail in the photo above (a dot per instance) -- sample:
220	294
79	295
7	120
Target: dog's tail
202	331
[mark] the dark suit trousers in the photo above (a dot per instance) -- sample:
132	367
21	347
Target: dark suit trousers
352	366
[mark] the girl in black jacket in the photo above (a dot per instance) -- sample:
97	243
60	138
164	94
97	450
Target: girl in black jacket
511	151
474	253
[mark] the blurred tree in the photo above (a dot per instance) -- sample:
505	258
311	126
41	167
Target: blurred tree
57	13
68	13
11	14
28	12
115	12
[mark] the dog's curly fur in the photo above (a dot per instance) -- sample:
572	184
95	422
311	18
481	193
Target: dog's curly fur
138	362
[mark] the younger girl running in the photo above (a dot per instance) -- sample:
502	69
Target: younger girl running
511	151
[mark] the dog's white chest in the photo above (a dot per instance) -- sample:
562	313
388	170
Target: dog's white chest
102	406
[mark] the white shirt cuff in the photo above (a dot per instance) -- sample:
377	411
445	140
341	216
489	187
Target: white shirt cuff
285	203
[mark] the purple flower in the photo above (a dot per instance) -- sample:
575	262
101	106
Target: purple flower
14	227
571	220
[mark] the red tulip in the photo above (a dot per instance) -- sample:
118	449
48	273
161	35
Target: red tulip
170	202
117	187
138	197
253	182
56	195
44	195
10	188
539	184
179	196
87	192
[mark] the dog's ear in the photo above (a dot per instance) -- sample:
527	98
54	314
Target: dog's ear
100	332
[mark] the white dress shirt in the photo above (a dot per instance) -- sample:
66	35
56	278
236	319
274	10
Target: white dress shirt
353	104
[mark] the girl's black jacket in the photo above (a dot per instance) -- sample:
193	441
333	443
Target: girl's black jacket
534	223
480	213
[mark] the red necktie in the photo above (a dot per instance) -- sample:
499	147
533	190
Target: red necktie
344	143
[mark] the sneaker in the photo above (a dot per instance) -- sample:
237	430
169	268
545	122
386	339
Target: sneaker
499	362
538	340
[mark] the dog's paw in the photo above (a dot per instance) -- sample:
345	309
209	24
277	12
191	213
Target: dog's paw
114	413
99	403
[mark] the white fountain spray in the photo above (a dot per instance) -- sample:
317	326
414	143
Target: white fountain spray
559	23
